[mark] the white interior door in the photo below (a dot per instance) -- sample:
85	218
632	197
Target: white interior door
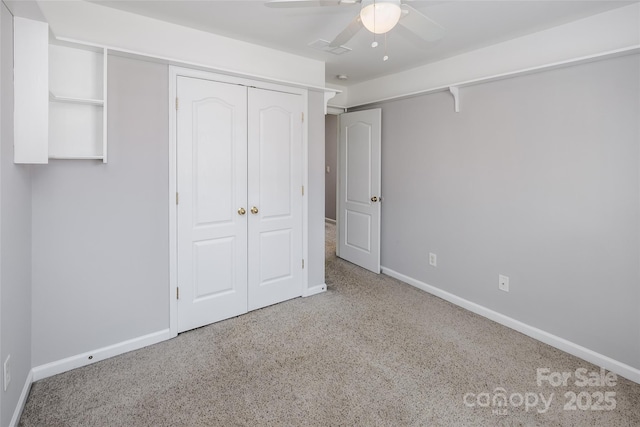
359	188
275	197
212	188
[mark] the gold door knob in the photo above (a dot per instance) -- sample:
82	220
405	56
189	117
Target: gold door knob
241	211
374	199
254	210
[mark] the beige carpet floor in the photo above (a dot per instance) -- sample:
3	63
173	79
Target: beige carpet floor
371	351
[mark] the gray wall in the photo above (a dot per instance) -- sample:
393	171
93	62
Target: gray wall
316	188
100	231
331	161
15	239
537	178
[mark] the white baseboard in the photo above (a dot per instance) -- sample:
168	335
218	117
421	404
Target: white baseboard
22	400
584	353
315	290
329	220
59	366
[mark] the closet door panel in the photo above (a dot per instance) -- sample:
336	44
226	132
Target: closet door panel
275	163
275	190
212	187
275	247
213	163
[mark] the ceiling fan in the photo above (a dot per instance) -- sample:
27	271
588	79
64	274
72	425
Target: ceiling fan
377	16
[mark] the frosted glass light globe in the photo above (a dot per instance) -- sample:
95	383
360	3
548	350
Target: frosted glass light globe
380	16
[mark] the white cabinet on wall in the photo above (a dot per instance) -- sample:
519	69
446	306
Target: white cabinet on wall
60	97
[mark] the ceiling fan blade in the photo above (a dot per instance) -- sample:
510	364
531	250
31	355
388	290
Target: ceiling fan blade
347	34
301	3
422	27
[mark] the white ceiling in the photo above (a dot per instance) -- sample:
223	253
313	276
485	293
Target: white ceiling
469	25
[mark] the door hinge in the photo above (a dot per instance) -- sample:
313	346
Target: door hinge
177	198
177	293
302	117
176	103
303	190
303	263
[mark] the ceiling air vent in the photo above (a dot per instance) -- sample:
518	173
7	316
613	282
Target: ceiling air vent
323	45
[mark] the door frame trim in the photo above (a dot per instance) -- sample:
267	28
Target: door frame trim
174	72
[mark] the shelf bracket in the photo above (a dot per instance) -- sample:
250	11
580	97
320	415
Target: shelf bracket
456	97
328	94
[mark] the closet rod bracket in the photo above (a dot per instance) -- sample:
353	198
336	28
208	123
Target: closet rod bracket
455	91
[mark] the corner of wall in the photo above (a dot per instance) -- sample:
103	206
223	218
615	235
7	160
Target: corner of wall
15	244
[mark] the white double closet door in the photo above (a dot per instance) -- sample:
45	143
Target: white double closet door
239	216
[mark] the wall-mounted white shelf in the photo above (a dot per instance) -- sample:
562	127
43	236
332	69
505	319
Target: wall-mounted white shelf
87	101
76	158
77	101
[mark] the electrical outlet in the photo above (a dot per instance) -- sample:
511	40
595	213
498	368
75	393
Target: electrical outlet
7	372
503	283
433	259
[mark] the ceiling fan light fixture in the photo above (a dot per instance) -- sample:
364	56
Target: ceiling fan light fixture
380	16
